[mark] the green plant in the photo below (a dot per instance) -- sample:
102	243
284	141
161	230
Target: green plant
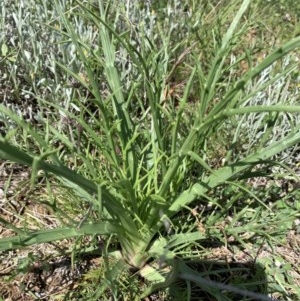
137	153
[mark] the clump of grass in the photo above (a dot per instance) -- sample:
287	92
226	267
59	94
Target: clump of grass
159	172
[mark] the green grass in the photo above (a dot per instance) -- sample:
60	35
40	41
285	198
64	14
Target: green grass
160	138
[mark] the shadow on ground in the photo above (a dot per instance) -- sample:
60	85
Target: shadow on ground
235	281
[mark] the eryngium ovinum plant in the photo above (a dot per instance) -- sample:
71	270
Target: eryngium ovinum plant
137	149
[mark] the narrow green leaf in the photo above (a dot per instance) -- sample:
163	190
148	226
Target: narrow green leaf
224	174
44	236
4	49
